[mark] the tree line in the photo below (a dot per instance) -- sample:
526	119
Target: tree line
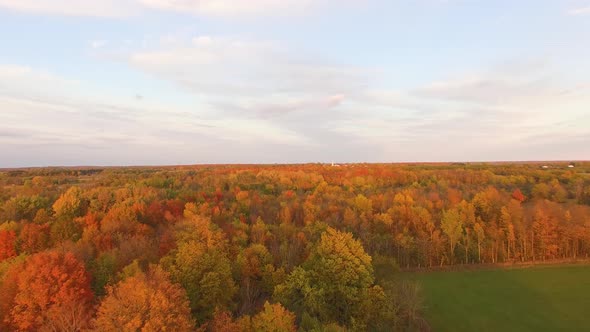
267	248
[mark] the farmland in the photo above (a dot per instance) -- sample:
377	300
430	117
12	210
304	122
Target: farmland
533	299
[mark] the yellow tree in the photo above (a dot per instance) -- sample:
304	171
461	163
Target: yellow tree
145	302
274	318
452	227
256	274
479	231
201	265
70	204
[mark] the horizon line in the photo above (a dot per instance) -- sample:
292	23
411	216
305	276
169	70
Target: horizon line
299	163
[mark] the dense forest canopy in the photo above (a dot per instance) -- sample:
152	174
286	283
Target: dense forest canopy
267	247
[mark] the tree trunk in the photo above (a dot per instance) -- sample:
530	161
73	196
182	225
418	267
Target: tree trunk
533	245
466	261
479	250
508	249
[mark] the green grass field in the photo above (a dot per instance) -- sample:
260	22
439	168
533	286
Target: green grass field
533	299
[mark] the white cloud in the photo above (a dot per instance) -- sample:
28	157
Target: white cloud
526	90
486	110
14	71
232	7
285	106
489	115
455	119
202	40
93	8
64	125
125	8
580	11
96	44
249	73
21	80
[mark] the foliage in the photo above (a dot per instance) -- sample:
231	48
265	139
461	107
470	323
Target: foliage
334	282
52	293
274	318
7	244
145	302
200	264
236	236
70	204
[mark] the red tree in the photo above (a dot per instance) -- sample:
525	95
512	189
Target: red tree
518	195
52	292
34	238
8	292
7	244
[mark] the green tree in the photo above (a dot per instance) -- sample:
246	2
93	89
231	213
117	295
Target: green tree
333	283
205	273
256	274
201	265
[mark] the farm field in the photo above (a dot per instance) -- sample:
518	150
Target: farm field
552	298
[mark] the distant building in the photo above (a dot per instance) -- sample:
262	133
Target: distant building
544	166
571	166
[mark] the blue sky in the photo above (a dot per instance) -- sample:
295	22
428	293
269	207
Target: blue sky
136	82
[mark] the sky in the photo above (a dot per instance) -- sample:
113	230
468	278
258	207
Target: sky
168	82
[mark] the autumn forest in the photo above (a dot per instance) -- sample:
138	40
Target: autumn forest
310	247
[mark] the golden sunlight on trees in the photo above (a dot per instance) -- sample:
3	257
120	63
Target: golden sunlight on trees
52	293
333	283
274	318
145	302
452	227
70	204
256	273
201	265
7	244
249	247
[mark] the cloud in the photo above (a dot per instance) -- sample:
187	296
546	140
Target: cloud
96	44
92	8
20	80
8	71
580	11
454	119
261	101
263	77
521	86
493	114
64	126
505	105
233	8
11	133
263	109
486	90
126	8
